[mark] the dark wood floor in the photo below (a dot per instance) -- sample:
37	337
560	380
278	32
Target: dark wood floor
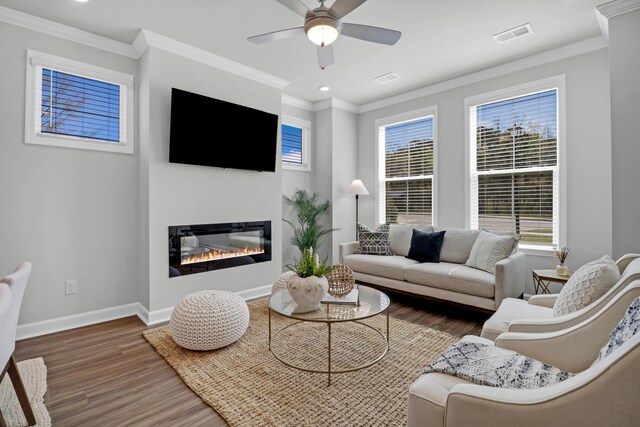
108	375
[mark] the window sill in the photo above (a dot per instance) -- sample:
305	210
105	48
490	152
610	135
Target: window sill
78	143
537	251
294	167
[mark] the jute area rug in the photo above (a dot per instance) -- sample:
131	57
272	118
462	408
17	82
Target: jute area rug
34	377
248	386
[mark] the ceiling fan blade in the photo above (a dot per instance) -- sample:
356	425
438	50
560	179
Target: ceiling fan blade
371	34
342	8
296	6
325	56
276	35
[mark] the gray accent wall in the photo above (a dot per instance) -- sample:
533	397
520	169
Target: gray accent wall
186	194
624	60
72	213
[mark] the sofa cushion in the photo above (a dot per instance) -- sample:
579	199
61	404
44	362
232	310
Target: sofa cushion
400	235
512	309
391	267
586	285
452	277
457	244
373	242
425	247
489	249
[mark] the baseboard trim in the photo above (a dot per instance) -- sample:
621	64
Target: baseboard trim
44	327
59	324
164	314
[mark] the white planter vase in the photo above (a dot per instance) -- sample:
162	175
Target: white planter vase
307	292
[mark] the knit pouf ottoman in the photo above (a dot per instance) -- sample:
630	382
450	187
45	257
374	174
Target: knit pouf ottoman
208	320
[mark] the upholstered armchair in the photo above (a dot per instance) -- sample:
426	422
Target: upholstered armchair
602	393
11	291
536	314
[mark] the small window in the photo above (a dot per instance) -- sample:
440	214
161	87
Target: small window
75	105
295	144
406	169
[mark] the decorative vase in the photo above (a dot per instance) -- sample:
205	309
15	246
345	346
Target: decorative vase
307	292
562	270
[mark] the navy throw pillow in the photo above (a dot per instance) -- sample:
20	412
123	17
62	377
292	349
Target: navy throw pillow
425	247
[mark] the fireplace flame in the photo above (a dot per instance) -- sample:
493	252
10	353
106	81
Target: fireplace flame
219	254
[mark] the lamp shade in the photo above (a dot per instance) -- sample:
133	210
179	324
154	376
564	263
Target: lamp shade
357	188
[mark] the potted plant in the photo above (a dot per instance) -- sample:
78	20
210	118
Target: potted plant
307	231
308	285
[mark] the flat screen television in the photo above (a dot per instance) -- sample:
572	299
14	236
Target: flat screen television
211	132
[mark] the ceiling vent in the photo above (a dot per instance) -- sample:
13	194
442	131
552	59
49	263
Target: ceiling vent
513	33
386	78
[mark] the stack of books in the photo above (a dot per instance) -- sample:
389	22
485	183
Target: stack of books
352	298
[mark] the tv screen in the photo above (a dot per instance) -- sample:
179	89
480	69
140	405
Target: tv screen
210	132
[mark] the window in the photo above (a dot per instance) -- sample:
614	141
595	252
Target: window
70	104
406	169
514	166
295	144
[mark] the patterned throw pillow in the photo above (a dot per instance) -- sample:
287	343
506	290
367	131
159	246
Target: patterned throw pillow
586	285
628	327
496	367
374	242
489	249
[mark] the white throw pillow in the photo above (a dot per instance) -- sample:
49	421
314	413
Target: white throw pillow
489	249
586	285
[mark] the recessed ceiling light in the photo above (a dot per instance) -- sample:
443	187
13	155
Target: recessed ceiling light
324	88
82	1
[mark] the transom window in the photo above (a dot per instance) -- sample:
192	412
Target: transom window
70	104
406	171
295	143
514	173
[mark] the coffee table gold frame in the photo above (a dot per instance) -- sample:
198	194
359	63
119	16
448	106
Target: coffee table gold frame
329	322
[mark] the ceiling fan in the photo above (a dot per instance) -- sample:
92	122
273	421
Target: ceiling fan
322	26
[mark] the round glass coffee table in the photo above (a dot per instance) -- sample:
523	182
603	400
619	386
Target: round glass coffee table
371	303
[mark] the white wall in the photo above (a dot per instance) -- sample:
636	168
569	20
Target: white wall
322	179
624	56
293	180
186	194
588	149
72	213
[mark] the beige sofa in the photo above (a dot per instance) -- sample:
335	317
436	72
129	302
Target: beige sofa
448	280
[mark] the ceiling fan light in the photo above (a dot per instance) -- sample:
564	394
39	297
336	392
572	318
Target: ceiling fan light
322	31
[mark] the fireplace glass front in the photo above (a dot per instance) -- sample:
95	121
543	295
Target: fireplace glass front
205	247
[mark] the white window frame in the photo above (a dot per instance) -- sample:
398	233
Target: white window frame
551	83
36	61
380	163
305	125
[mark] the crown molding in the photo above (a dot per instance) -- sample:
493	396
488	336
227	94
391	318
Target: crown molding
55	29
297	102
146	39
611	9
575	49
617	7
335	103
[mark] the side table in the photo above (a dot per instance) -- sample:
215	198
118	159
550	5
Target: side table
543	278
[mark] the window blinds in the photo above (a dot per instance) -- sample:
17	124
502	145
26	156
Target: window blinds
514	167
408	171
291	144
78	106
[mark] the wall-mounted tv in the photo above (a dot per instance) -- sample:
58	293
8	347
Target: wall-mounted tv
211	132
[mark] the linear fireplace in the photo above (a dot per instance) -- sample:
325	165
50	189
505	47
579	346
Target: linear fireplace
205	247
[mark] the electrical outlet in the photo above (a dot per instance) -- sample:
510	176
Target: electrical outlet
70	287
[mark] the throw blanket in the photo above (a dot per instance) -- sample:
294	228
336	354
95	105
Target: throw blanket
496	367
